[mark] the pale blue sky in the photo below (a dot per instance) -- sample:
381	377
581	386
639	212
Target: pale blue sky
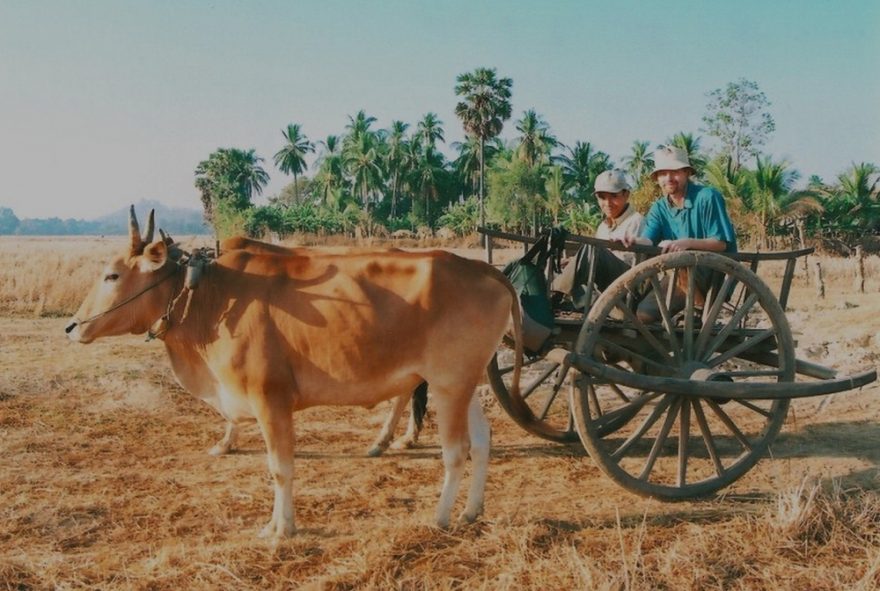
104	103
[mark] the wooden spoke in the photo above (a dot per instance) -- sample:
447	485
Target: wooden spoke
620	393
754	407
661	439
633	406
670	288
643	330
688	335
707	437
530	389
647	423
684	435
543	415
710	313
630	355
667	319
725	332
741	347
591	390
729	424
560	379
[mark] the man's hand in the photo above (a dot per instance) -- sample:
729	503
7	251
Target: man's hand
630	239
692	244
674	245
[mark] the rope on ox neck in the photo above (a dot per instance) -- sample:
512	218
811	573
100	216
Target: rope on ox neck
195	264
132	298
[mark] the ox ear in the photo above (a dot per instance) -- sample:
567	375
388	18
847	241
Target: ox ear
154	256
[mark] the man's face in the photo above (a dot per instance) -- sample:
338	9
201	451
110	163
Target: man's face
612	204
673	182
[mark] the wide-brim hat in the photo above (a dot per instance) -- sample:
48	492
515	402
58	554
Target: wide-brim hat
611	181
670	158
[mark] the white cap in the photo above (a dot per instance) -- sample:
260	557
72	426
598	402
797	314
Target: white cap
611	181
670	158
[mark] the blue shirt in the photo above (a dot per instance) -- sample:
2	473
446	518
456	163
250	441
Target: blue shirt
703	215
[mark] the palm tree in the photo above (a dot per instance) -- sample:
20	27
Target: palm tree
426	177
772	198
330	177
467	164
555	192
291	158
581	166
535	141
429	131
859	186
484	108
361	161
395	159
232	175
639	163
691	146
359	125
734	185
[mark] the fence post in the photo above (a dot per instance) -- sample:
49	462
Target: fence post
860	269
817	278
799	224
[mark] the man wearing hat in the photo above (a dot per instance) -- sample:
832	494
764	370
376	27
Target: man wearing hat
688	216
621	222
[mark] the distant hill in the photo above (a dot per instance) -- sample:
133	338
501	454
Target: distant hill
175	220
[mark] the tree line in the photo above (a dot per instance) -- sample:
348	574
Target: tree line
175	220
378	181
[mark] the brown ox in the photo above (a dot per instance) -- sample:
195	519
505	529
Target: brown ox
268	334
384	440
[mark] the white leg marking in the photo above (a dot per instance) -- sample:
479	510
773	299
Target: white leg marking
411	437
387	432
278	434
452	423
227	444
481	443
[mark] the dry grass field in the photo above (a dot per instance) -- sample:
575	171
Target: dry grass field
105	482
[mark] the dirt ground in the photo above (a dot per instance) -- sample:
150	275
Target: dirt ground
105	483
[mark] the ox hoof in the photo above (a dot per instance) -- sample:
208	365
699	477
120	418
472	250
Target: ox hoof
403	444
219	450
375	451
470	516
275	531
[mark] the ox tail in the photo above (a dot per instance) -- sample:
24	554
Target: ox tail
516	315
420	404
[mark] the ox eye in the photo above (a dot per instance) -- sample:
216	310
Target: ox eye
111	277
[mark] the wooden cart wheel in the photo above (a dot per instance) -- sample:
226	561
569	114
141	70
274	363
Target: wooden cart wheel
671	446
543	406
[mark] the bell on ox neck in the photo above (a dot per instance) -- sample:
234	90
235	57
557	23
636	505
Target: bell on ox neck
194	272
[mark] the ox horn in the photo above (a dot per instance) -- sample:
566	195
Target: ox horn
151	224
134	233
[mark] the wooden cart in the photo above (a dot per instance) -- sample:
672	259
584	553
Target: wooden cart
677	408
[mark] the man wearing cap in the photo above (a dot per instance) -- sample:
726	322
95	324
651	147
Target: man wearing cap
620	222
